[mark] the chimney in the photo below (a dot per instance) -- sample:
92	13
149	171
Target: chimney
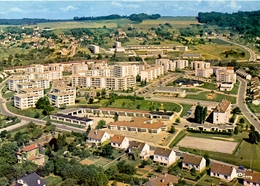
162	180
39	182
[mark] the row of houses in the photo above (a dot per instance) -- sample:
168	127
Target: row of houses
255	90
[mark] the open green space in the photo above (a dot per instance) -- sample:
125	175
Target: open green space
254	108
185	107
210	86
244	154
208	96
53	180
8	95
178	138
235	88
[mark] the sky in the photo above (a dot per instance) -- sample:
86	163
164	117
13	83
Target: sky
67	9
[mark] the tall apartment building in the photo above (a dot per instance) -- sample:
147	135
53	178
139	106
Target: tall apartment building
181	64
152	73
37	90
203	72
94	49
42	83
12	83
226	76
25	101
167	64
62	95
199	65
222	112
55	74
35	68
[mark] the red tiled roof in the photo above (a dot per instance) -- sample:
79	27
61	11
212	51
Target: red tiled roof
30	147
221	169
117	139
192	159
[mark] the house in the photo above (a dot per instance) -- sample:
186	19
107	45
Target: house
97	136
192	161
120	142
162	180
33	153
143	149
164	156
251	178
224	172
32	179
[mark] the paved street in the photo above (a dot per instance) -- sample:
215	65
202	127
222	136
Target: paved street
242	105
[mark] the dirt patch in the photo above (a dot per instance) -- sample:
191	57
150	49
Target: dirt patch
211	96
208	144
87	162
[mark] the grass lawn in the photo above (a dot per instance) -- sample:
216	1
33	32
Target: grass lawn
210	86
8	94
208	96
178	138
235	88
185	107
53	180
242	156
254	108
142	104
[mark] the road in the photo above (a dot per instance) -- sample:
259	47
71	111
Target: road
251	52
243	106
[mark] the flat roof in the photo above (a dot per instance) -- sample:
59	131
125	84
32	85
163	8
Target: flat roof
73	117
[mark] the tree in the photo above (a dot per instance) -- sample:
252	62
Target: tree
252	137
8	152
90	101
125	168
236	110
206	156
172	130
44	103
4	181
242	121
115	117
107	150
103	93
101	124
200	114
236	130
178	120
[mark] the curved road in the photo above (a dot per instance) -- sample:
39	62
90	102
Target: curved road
251	52
243	107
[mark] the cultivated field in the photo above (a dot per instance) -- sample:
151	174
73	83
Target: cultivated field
208	144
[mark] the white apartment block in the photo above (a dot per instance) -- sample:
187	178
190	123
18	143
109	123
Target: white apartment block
152	73
43	75
222	112
199	65
25	101
167	64
36	68
94	49
181	64
55	67
60	98
38	91
12	83
127	70
79	67
226	76
55	74
64	89
26	86
204	72
42	83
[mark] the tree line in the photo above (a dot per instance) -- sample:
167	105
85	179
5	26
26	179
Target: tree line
246	23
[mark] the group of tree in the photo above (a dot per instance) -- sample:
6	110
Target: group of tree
44	103
133	17
253	135
246	23
200	114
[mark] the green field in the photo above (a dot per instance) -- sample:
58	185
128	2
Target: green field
178	138
254	108
210	86
235	88
185	107
208	96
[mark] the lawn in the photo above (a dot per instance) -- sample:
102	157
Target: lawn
208	96
235	88
185	107
210	86
8	94
243	155
138	105
178	138
254	108
53	180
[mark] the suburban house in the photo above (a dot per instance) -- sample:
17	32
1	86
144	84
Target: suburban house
162	180
192	161
164	156
32	179
224	172
33	153
120	142
251	178
221	113
97	136
143	149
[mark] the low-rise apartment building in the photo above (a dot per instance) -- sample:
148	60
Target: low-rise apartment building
226	76
222	112
167	64
59	99
25	101
12	82
152	73
203	72
199	65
